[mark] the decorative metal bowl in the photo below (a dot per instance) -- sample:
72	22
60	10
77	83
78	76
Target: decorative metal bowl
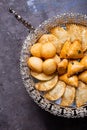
52	107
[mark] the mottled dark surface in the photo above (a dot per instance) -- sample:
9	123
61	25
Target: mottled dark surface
17	109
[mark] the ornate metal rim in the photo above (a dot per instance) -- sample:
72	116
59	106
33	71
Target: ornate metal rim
28	81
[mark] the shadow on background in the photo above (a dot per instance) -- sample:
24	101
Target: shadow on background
52	122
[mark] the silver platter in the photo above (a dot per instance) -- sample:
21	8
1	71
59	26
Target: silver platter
28	80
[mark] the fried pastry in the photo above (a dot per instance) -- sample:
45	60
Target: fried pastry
49	66
62	36
74	67
47	85
65	49
56	92
57	59
85	53
84	61
75	50
42	76
36	50
35	64
48	50
81	94
78	32
62	67
49	38
72	81
60	33
75	31
83	77
84	39
68	96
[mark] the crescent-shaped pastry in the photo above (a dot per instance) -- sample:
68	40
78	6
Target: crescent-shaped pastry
81	94
47	85
84	39
78	32
42	76
60	33
75	31
62	36
56	92
68	96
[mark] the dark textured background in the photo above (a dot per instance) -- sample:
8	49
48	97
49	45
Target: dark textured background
17	109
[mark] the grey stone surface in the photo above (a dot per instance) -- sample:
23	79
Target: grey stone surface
17	109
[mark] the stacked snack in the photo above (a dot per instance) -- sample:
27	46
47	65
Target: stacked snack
59	62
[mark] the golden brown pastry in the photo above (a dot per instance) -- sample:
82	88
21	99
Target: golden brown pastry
57	59
85	53
62	36
65	49
49	66
84	39
42	76
48	50
49	38
81	94
84	61
78	32
35	64
75	31
56	92
72	81
47	85
75	50
72	50
62	67
36	50
83	76
74	67
60	33
68	96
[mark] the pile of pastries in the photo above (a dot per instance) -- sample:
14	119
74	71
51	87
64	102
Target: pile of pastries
59	62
